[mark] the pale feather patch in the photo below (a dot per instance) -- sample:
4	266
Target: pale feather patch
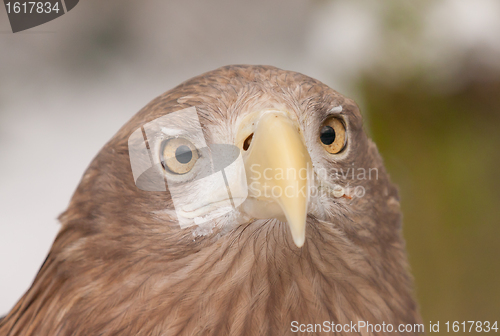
336	109
171	131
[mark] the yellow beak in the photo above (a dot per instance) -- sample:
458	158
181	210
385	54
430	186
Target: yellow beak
277	166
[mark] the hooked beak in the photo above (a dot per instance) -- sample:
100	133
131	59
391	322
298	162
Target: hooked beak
277	166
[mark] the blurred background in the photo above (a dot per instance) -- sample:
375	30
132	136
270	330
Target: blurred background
426	75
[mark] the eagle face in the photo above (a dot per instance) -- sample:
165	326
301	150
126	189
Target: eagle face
240	201
263	149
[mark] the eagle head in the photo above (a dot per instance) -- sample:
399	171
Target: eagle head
238	202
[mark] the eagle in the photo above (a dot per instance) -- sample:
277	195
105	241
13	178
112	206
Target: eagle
245	201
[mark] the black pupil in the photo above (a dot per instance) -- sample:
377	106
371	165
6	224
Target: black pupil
183	154
327	135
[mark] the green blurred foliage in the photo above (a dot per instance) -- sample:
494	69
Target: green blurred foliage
443	150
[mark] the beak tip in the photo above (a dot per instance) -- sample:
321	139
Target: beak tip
299	240
297	227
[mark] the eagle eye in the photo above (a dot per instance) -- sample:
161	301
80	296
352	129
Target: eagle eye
332	135
178	155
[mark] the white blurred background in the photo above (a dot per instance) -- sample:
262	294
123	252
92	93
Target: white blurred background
67	86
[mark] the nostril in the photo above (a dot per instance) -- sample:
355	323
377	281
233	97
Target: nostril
247	142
